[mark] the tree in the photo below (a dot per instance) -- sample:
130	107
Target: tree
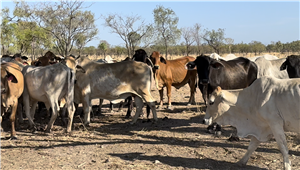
188	36
131	29
215	39
229	42
278	46
7	31
257	47
103	46
198	37
65	21
166	24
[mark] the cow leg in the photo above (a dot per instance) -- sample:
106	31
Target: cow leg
62	113
99	111
150	105
27	109
111	107
192	84
121	105
148	111
280	138
33	108
2	112
71	110
169	87
130	107
54	106
161	95
13	118
251	148
86	105
20	112
139	108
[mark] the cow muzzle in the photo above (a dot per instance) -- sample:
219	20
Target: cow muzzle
204	81
3	90
207	121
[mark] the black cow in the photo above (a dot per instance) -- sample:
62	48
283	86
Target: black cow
232	74
141	56
292	66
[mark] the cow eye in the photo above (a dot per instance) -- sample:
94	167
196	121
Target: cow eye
211	103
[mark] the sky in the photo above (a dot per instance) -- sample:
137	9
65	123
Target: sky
263	21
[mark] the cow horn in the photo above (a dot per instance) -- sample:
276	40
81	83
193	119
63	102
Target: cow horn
152	65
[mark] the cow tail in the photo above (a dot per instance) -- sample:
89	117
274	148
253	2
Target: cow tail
70	91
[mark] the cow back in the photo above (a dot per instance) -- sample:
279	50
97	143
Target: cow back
234	74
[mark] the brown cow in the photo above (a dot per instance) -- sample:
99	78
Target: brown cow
12	86
170	73
48	59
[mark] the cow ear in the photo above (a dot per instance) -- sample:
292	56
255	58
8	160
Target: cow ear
162	60
149	62
191	66
217	65
283	66
77	57
11	77
38	63
79	68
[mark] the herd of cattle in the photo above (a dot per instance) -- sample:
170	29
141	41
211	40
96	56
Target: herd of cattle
259	95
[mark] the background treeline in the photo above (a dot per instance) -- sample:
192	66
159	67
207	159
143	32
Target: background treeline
243	49
67	26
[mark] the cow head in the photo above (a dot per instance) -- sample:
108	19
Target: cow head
6	58
292	65
202	64
220	102
157	60
42	61
73	64
7	76
141	55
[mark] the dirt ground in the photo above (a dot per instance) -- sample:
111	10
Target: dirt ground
177	141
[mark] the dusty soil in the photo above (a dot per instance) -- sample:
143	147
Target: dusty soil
177	141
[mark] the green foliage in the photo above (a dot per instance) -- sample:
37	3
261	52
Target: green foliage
166	22
103	46
257	47
131	29
65	21
215	38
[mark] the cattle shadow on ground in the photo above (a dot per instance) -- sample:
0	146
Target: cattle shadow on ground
203	163
136	139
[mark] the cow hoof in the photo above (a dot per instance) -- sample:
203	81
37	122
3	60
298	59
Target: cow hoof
233	139
210	131
218	133
159	107
21	121
47	131
33	129
132	123
170	108
13	138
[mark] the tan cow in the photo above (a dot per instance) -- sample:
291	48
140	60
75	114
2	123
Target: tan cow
113	81
50	84
170	73
12	86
